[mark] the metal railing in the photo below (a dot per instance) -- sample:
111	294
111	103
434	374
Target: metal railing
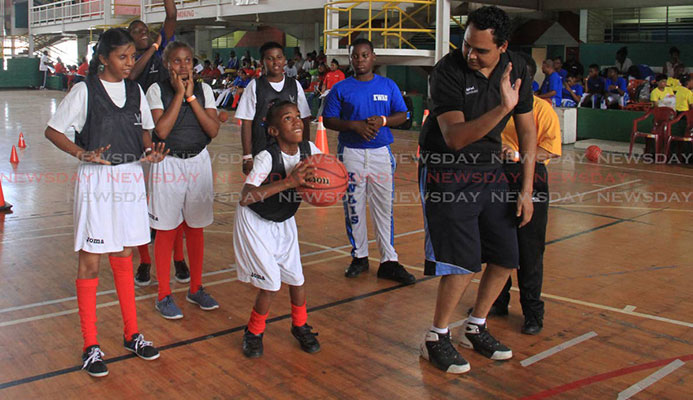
66	11
397	23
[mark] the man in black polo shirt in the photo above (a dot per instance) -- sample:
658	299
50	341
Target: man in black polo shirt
470	217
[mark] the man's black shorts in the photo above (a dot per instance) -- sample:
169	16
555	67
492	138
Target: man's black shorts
469	219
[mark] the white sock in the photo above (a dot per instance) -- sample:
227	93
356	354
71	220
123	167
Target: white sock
440	331
476	321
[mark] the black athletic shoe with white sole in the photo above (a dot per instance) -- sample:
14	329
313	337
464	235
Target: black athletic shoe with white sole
182	272
478	338
438	349
92	362
144	349
142	277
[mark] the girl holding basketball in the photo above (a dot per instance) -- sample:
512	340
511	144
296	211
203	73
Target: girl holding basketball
186	120
111	119
265	239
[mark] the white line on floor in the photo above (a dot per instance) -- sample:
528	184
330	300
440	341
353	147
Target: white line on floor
548	353
143	297
625	207
594	191
636	169
349	254
629	308
650	380
232	268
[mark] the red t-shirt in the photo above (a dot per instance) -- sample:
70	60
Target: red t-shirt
82	70
59	68
332	78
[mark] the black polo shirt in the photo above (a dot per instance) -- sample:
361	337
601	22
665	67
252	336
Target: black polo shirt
455	87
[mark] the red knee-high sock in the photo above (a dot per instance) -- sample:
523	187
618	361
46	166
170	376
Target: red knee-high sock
163	246
299	314
144	254
86	302
178	248
125	286
195	242
256	325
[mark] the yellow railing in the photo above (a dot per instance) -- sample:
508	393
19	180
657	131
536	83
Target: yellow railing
397	23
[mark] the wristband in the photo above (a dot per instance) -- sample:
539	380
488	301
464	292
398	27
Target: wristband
247	157
155	46
384	120
191	99
147	151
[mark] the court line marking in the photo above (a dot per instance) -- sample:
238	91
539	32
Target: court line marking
205	337
549	352
603	377
580	195
625	208
650	380
636	169
233	266
629	308
101	293
137	298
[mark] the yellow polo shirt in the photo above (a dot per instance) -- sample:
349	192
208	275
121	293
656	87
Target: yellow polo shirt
548	129
684	99
657	95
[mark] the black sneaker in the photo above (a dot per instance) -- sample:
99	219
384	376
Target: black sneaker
357	266
144	349
478	338
182	272
93	362
252	344
142	277
394	271
438	349
532	326
306	338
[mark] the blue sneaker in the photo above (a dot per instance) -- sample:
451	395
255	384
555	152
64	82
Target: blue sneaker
202	299
168	308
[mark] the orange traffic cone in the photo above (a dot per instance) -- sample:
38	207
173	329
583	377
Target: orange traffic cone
13	156
22	143
425	115
4	206
321	137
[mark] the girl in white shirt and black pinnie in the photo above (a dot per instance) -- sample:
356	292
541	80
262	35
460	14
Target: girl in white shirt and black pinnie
111	120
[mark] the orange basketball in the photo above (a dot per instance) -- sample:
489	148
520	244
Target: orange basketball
223	116
593	152
330	181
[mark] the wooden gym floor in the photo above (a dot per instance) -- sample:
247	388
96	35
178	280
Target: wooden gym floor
618	272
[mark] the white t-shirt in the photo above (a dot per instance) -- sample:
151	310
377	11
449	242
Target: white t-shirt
290	72
262	165
72	111
623	68
155	103
43	64
246	106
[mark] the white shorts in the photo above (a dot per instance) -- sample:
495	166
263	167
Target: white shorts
110	210
181	189
267	252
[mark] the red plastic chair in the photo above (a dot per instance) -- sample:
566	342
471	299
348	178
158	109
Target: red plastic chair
632	87
660	127
687	134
